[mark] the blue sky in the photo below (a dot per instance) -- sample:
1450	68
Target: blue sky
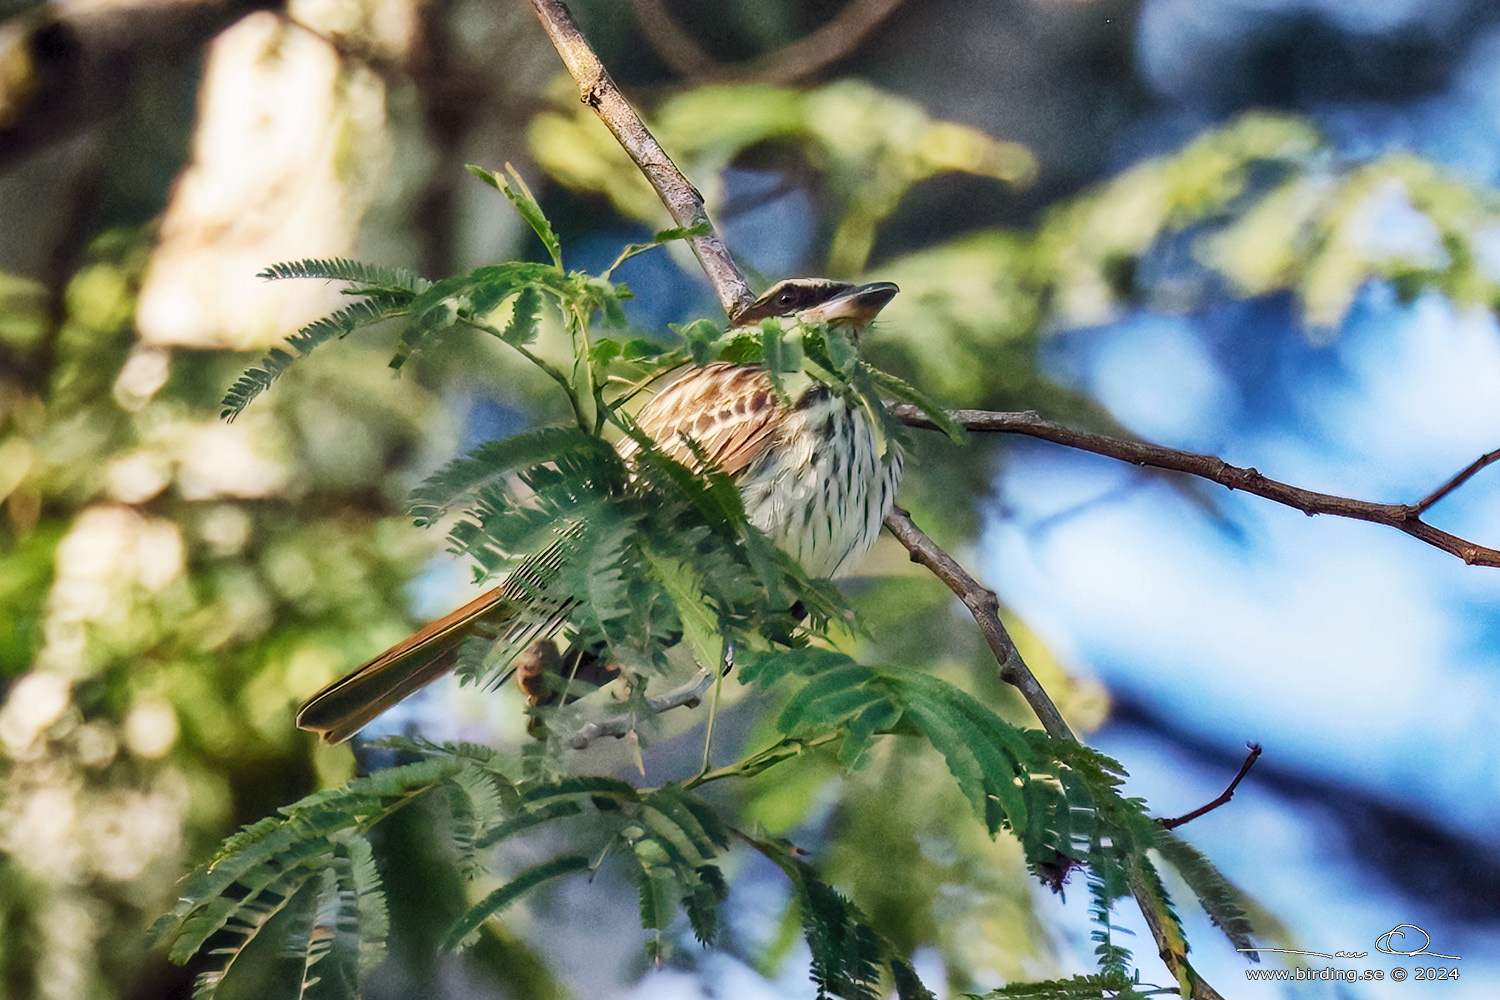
1358	657
1352	653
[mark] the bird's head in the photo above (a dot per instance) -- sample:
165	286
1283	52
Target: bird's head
820	300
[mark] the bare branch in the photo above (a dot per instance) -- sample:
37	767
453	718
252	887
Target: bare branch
985	607
1402	517
688	694
683	201
1224	796
1479	463
808	54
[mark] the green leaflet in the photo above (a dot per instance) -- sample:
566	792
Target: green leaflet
472	297
1114	960
317	945
521	330
363	278
1220	899
847	953
525	203
433	309
254	381
699	625
465	931
888	384
664	236
1060	799
370	918
1077	988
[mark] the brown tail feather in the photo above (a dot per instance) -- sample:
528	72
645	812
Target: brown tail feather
347	705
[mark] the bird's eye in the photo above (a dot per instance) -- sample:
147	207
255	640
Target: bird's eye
785	299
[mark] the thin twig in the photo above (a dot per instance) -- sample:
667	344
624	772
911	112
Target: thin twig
683	201
1224	796
1483	460
985	607
808	54
1402	517
688	694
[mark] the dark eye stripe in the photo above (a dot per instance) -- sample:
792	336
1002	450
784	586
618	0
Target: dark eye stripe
790	296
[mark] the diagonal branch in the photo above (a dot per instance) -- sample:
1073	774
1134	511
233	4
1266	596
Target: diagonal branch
1173	954
683	201
1422	505
1403	517
985	607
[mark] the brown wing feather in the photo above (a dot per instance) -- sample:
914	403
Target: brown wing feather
347	705
733	432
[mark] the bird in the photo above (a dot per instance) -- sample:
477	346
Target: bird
808	461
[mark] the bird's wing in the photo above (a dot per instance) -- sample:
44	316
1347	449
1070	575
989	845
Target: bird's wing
730	411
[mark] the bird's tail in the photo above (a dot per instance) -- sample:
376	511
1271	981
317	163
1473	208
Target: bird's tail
347	705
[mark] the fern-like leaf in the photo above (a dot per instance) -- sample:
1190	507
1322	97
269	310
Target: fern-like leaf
703	902
1144	878
273	858
476	805
326	971
525	203
659	890
846	952
521	330
663	236
465	932
1220	899
345	321
903	392
1114	960
371	917
684	587
365	279
460	481
1094	987
693	816
235	924
991	759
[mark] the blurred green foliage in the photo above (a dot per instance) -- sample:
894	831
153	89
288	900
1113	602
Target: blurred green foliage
867	146
169	581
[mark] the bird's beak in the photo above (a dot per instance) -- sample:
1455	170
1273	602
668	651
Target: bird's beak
856	307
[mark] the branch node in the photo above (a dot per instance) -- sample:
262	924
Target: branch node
984	601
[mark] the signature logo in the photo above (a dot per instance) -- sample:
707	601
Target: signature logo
1383	944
